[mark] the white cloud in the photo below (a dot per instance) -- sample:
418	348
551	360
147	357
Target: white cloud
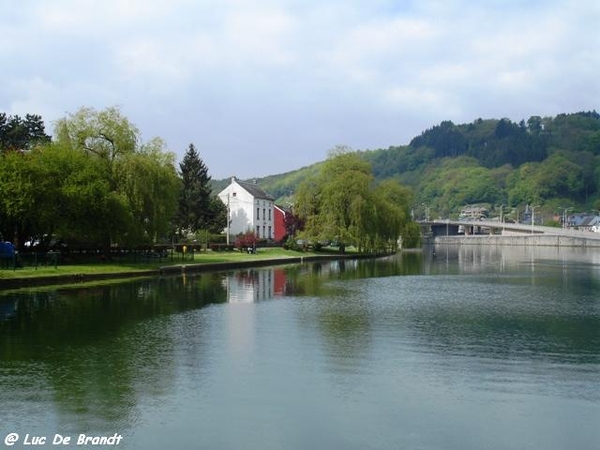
51	101
146	58
297	76
259	37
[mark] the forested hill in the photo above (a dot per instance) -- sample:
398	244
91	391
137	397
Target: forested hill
494	161
494	143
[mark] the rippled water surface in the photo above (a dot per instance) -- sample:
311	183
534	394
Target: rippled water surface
451	348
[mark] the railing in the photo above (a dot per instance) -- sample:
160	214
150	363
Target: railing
517	227
29	259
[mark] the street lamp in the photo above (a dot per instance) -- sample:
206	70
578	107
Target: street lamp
533	216
564	216
426	212
502	213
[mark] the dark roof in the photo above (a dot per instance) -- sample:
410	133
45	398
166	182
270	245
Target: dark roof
583	220
255	190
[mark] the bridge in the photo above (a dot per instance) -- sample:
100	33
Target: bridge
440	228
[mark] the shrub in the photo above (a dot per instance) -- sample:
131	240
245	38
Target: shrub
245	240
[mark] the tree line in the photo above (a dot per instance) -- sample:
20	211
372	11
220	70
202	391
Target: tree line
549	161
95	183
553	162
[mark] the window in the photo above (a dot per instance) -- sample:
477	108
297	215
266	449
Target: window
264	214
257	231
270	235
269	214
257	213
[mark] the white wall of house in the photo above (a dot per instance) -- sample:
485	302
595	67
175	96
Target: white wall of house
263	218
246	212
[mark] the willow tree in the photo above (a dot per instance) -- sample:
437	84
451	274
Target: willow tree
342	204
148	180
17	195
76	198
141	180
391	214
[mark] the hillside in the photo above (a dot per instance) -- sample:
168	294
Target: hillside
551	161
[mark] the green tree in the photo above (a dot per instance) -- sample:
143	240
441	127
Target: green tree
148	180
21	134
194	211
217	215
341	204
77	202
455	182
522	185
560	176
50	191
390	214
107	133
138	188
557	176
17	196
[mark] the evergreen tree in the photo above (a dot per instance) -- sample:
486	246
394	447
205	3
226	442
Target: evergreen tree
195	209
21	134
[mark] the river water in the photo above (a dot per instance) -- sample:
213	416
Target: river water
449	348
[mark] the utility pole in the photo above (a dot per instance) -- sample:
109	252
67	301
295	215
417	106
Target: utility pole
564	216
228	219
533	216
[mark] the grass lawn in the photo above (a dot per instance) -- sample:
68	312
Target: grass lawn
153	264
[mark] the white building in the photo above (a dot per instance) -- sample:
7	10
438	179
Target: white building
250	208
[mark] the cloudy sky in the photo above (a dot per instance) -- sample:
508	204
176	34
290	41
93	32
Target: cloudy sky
267	86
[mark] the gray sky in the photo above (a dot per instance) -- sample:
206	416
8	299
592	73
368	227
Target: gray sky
268	86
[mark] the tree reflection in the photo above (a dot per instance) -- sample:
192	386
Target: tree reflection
96	350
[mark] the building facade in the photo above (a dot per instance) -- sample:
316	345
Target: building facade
249	208
279	225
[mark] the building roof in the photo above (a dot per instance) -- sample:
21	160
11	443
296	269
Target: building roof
583	220
283	209
254	189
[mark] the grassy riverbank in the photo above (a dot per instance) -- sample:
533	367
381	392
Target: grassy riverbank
146	266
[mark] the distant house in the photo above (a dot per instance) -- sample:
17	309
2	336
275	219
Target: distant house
584	222
473	212
250	208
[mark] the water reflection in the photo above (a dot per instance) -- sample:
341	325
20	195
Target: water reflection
373	343
480	258
88	351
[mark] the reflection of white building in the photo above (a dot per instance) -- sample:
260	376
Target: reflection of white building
250	209
248	286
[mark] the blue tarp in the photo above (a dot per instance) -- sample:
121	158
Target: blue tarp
7	250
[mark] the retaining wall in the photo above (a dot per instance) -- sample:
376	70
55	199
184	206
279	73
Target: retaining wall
544	240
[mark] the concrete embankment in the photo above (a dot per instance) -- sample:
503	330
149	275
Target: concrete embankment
75	278
212	267
543	240
167	270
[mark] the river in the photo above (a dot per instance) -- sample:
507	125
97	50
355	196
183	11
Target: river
449	348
